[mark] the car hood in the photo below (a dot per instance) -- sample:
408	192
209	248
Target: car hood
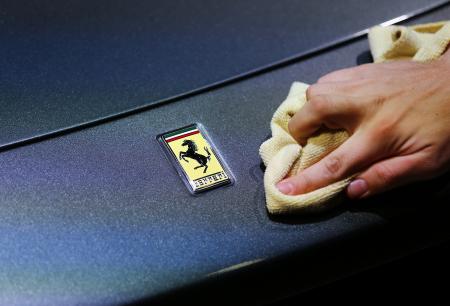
69	63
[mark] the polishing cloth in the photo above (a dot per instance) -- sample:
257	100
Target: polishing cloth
284	157
422	43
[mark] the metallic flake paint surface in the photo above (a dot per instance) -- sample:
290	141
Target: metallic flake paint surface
99	216
64	63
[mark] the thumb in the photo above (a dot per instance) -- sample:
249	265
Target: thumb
385	175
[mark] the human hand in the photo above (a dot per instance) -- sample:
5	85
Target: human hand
398	118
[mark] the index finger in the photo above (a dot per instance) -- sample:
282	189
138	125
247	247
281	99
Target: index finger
320	110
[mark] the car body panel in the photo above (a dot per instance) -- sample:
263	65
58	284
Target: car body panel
99	216
66	63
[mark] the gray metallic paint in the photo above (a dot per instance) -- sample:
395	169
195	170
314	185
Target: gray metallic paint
99	216
66	63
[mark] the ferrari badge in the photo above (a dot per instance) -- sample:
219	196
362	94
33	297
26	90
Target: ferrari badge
195	158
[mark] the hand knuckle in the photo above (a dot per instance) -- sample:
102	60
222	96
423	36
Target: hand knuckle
306	183
324	79
333	166
383	128
319	105
330	77
337	75
346	74
383	174
311	91
302	183
378	101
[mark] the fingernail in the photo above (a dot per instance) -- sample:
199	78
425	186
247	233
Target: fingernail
285	187
357	189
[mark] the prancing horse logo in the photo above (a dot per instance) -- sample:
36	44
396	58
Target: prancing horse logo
192	153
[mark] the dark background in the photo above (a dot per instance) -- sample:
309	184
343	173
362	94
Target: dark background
421	278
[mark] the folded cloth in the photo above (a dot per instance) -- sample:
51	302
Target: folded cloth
284	157
423	42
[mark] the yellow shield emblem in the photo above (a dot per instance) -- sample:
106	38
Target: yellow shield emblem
195	158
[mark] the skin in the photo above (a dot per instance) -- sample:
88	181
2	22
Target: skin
398	118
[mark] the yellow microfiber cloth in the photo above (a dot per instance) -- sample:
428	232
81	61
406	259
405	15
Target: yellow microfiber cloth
284	157
422	43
